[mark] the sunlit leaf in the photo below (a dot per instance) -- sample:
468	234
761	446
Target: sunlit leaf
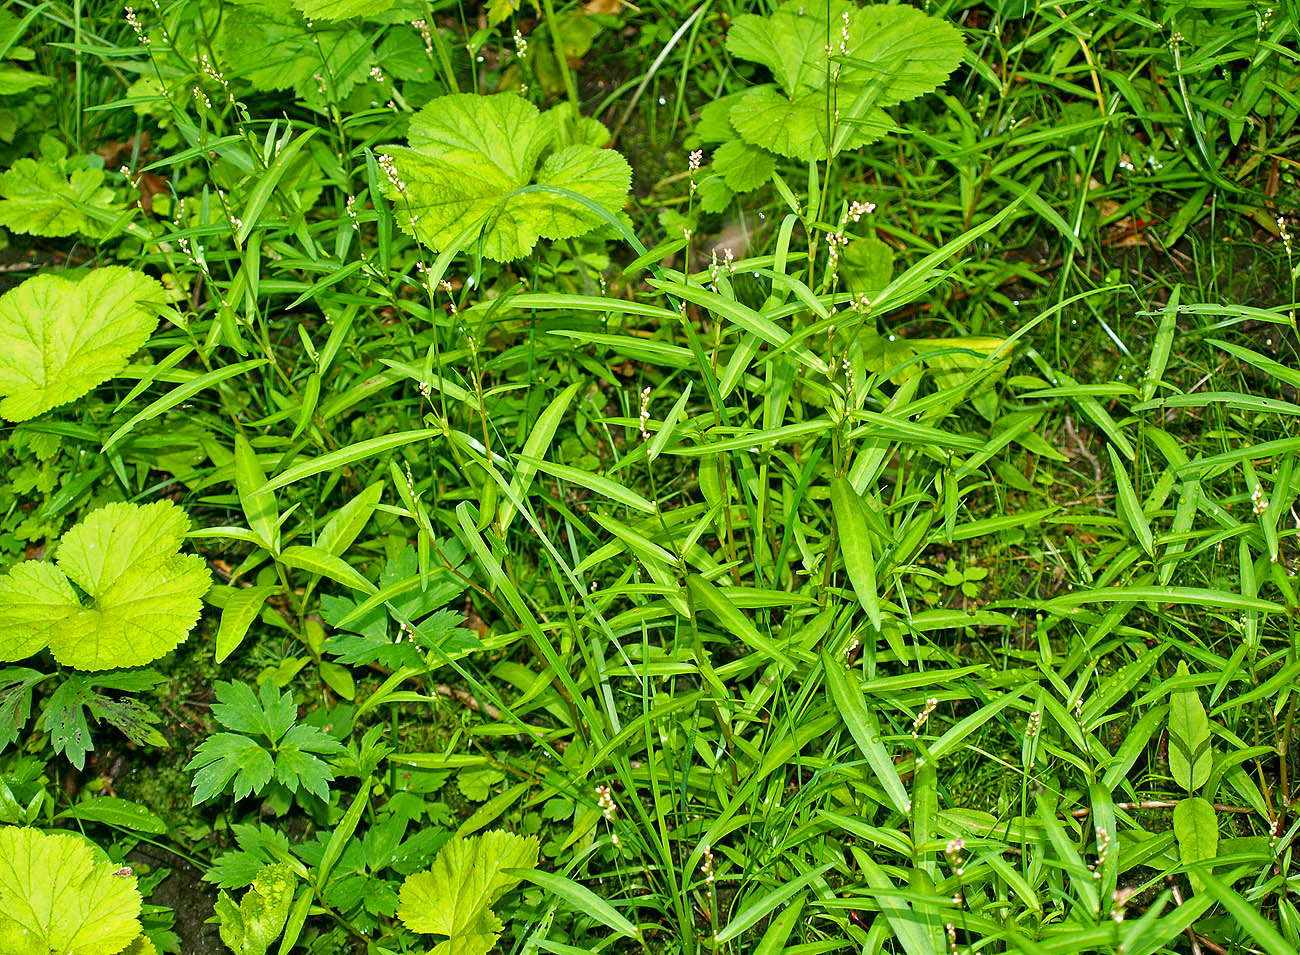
468	157
142	597
59	337
54	897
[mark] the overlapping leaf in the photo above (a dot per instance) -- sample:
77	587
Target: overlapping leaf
250	927
470	155
455	895
40	198
831	96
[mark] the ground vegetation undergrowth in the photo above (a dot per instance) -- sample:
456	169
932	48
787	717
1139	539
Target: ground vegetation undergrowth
744	477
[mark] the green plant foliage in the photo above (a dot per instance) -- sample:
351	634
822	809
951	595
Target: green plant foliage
1190	758
55	897
270	47
469	157
341	9
877	539
250	927
54	198
15	79
80	698
1197	832
455	896
141	595
59	338
831	97
267	742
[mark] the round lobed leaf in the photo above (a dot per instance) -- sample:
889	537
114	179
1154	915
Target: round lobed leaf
59	338
54	897
143	597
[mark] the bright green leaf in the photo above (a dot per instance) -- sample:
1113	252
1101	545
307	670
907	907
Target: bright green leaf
39	198
54	897
454	896
59	338
143	597
1197	832
468	157
250	927
1190	758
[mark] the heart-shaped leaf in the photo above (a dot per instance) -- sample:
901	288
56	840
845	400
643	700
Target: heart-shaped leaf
60	338
142	595
468	159
54	897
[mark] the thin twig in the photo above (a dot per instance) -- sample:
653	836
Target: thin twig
1084	453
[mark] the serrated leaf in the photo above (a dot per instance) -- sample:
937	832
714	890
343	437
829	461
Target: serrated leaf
39	198
1190	757
54	897
799	128
143	598
141	946
239	709
907	51
250	927
454	896
877	56
743	167
228	758
468	157
63	716
340	9
16	701
59	338
275	50
791	43
298	766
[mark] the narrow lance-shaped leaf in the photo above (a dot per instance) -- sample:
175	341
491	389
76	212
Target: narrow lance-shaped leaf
855	545
1190	759
1129	507
1197	832
863	727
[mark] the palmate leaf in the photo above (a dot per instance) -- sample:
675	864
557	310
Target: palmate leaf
143	597
286	751
54	897
40	198
468	157
877	57
60	338
455	895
